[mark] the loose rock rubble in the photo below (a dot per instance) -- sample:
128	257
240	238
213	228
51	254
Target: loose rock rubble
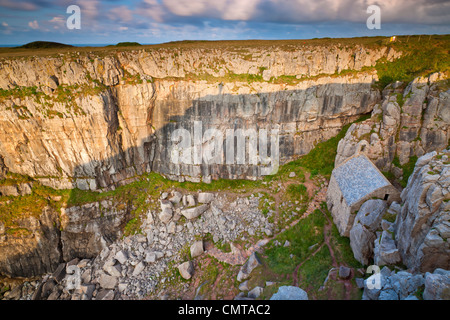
135	266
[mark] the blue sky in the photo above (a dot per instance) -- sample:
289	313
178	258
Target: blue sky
156	21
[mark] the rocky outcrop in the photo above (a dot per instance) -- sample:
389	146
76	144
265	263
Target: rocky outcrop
415	231
366	223
138	265
437	285
33	245
403	285
86	230
409	122
423	227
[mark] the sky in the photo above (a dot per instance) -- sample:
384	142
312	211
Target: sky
157	21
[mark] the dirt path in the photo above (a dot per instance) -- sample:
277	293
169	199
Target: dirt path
239	255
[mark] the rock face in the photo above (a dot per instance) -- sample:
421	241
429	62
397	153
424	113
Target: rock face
400	285
408	122
423	227
46	120
88	229
290	293
40	243
33	248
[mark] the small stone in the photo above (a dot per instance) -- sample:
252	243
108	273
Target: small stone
164	195
244	286
190	200
186	269
252	263
138	268
255	293
193	213
121	256
60	272
359	283
88	290
291	174
171	227
105	295
83	263
166	215
122	287
107	282
176	197
344	272
115	271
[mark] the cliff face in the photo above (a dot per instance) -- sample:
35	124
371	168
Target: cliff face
410	121
92	122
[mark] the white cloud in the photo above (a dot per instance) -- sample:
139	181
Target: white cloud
18	5
300	11
89	8
58	22
121	13
33	24
4	24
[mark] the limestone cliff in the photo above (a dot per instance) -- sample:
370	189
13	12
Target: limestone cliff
94	122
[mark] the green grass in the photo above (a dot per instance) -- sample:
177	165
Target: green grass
297	192
30	205
320	159
313	272
421	58
305	233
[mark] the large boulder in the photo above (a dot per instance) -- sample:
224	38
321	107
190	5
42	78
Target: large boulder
245	271
192	213
401	128
393	285
362	234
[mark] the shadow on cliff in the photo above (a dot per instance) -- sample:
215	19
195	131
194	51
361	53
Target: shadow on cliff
303	118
